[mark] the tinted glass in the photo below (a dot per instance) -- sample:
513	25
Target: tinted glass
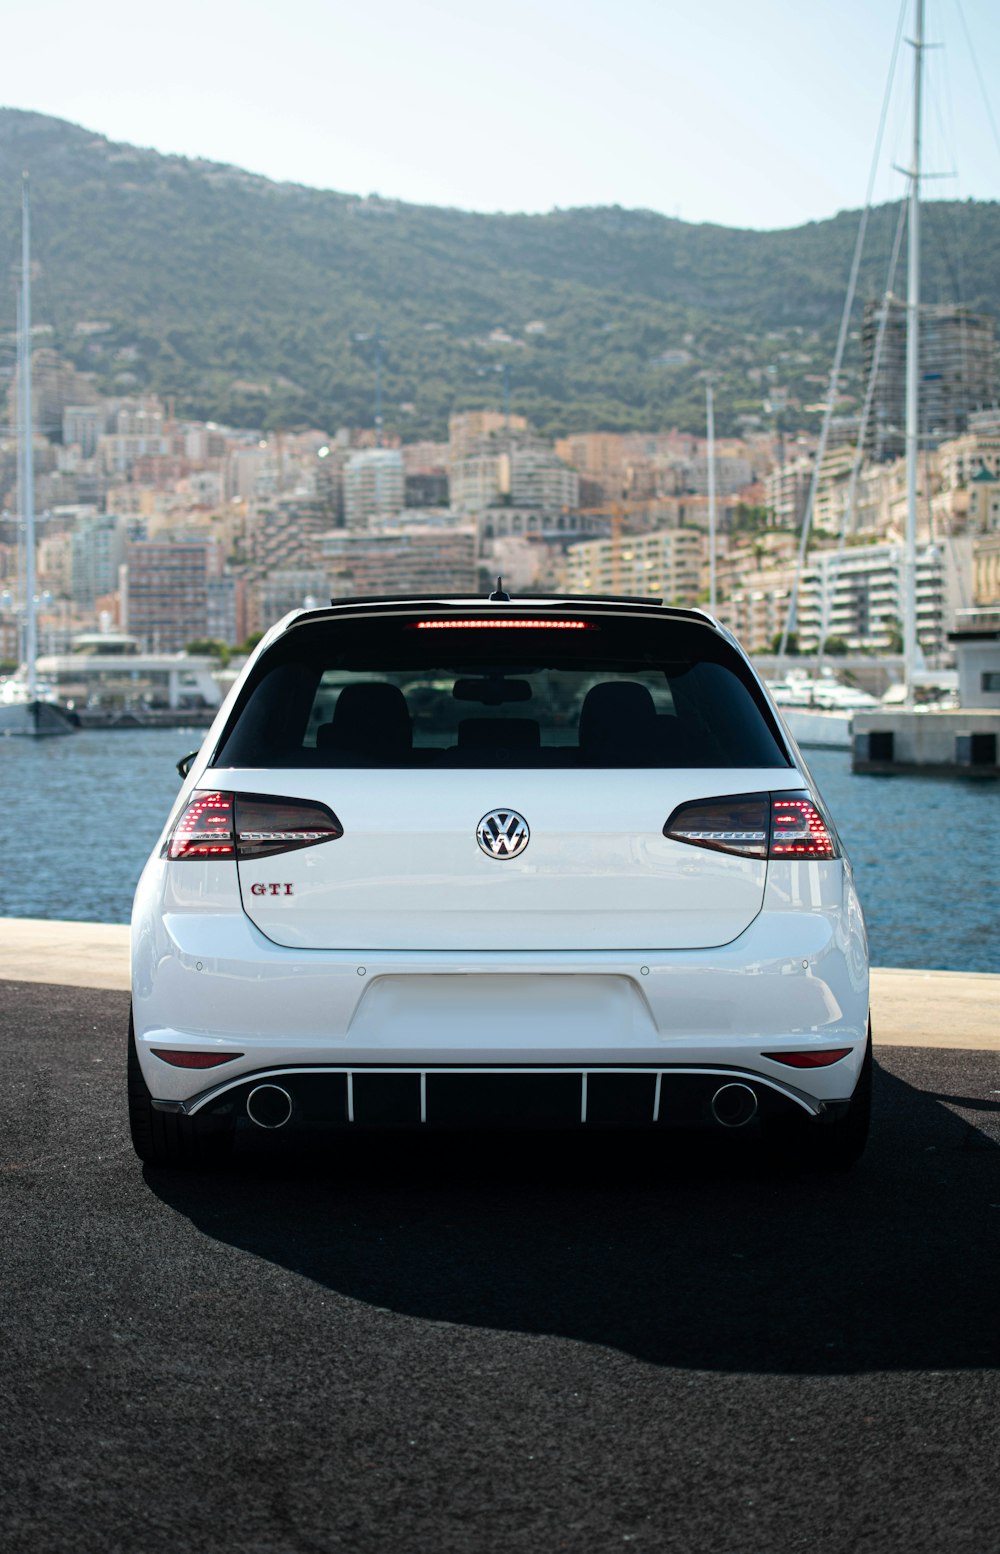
410	692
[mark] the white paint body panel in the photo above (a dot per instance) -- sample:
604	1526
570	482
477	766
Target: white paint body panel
408	873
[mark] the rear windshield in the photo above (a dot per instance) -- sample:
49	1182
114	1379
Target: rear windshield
465	692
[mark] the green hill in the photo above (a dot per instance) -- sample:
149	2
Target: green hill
245	298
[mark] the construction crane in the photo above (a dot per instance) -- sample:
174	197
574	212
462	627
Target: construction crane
618	509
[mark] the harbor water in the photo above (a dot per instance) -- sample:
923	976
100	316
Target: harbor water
80	815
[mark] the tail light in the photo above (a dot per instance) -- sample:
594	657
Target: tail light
756	825
248	825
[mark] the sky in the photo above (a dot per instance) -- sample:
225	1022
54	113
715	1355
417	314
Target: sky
759	114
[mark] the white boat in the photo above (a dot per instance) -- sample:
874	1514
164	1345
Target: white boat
819	709
26	708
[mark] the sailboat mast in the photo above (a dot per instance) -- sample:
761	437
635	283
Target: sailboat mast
909	573
710	416
28	452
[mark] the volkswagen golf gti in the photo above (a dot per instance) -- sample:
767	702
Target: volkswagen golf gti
498	863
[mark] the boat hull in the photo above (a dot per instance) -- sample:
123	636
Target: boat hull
36	720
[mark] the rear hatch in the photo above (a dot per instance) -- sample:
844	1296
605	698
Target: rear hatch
501	787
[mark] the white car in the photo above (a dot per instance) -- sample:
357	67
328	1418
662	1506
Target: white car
543	862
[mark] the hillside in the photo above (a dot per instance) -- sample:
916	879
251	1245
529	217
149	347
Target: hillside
245	298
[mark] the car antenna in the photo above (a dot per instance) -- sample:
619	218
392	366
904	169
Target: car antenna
498	596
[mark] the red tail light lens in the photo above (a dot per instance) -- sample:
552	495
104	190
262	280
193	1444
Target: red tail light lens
798	830
755	825
178	1059
249	825
205	829
808	1059
500	624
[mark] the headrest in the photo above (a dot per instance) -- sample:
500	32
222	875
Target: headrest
370	718
618	722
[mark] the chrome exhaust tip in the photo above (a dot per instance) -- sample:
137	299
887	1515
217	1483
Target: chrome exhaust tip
733	1106
269	1106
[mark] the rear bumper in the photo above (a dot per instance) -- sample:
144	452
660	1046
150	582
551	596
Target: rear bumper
205	978
304	1100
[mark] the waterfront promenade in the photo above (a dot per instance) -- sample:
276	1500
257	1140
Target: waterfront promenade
947	1009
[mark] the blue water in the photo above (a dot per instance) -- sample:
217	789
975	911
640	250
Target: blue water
79	816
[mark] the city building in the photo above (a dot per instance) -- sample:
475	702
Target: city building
165	592
558	527
374	486
83	425
290	589
539	479
756	611
97	550
957	372
858	595
284	533
469	428
411	557
667	564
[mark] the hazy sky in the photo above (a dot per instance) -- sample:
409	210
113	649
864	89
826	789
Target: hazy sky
761	113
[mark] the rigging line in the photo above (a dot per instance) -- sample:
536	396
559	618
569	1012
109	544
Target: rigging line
979	74
838	357
866	409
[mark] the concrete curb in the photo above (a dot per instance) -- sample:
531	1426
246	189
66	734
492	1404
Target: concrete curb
943	1009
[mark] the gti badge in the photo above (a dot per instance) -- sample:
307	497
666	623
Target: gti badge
503	833
270	890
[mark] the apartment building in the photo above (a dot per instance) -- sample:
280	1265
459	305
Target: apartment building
667	564
859	595
374	486
470	428
539	479
757	610
165	592
284	534
97	550
957	370
412	557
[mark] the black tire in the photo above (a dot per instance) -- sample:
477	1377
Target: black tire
829	1146
166	1138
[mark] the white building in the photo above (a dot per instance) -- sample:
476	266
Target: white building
859	595
538	478
374	486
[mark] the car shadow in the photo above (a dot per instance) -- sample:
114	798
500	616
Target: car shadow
691	1253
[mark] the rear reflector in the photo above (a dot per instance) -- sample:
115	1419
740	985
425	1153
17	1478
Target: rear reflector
502	625
808	1059
193	1059
755	825
248	825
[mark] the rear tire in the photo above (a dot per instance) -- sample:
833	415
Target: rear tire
169	1138
829	1146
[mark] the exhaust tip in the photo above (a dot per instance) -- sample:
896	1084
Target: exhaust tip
269	1106
733	1106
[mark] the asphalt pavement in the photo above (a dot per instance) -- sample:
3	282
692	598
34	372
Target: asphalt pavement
490	1345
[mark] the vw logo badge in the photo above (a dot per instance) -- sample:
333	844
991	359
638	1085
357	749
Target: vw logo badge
503	833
